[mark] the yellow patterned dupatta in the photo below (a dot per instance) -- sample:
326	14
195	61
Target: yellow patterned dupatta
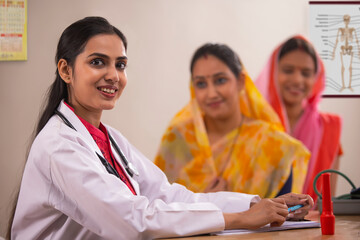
255	158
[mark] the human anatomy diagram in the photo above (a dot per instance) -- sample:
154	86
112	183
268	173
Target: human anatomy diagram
347	36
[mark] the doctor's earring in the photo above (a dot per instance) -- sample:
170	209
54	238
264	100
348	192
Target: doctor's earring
66	79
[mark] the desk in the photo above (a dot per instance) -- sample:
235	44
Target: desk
346	227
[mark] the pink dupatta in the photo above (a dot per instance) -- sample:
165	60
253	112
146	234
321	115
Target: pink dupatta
310	127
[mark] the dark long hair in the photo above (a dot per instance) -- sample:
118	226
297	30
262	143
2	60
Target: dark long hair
293	44
71	43
222	52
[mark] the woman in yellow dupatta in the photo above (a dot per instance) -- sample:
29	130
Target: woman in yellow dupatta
228	138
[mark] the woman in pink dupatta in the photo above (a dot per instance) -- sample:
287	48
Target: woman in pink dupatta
292	82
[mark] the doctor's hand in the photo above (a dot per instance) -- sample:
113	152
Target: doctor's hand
292	199
273	211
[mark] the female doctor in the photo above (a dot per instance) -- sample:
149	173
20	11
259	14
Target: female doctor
84	180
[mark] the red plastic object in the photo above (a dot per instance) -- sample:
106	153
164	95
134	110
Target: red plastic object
327	218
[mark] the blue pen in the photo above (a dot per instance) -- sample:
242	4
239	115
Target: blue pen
294	208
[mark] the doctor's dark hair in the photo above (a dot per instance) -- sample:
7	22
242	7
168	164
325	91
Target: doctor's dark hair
220	51
71	43
295	43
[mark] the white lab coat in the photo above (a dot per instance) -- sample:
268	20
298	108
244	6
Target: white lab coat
66	193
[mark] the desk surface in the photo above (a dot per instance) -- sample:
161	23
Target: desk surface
346	227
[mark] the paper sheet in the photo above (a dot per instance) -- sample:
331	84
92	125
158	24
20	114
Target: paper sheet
287	225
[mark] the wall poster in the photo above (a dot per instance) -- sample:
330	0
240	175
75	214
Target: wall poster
13	30
335	33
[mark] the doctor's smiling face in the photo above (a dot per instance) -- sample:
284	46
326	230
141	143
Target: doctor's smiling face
97	77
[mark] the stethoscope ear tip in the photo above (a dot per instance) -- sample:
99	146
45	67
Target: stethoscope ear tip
132	169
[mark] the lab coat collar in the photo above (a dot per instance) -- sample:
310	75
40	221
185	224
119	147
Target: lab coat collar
79	126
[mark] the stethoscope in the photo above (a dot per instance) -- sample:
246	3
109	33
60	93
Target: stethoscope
129	167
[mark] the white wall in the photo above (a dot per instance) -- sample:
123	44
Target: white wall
162	36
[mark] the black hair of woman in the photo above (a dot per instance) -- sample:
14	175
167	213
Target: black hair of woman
293	44
220	51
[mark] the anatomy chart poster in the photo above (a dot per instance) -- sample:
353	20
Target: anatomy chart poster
335	33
